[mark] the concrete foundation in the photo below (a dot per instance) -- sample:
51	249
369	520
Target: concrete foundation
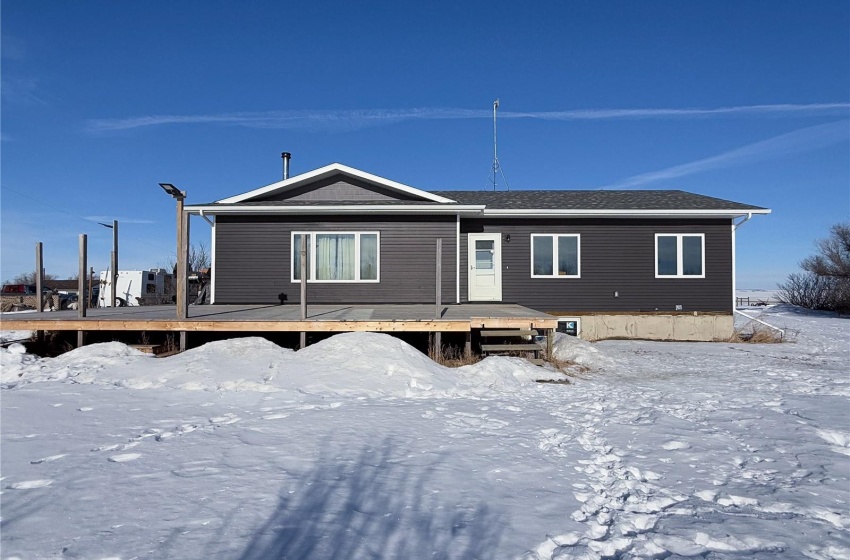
681	327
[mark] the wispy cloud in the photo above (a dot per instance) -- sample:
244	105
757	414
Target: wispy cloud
355	119
20	90
799	141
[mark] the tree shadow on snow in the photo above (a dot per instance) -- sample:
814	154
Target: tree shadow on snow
380	504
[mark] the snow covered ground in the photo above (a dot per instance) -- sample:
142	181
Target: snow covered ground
360	447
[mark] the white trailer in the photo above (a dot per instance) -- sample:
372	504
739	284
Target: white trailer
137	287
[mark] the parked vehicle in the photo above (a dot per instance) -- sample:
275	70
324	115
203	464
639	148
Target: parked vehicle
20	289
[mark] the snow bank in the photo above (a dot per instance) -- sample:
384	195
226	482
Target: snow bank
82	364
572	349
350	364
9	336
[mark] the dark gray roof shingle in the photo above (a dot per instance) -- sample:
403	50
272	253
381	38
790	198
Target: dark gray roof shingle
594	200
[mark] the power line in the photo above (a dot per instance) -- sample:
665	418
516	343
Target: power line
78	217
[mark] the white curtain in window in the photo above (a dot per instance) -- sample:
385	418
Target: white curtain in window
335	258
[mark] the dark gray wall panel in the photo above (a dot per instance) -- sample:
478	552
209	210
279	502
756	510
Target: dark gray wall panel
339	188
616	255
252	259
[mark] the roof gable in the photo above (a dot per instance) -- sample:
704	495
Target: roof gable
335	180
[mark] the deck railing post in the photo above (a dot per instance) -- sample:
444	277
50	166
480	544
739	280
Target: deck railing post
438	310
39	279
303	256
113	261
82	299
183	271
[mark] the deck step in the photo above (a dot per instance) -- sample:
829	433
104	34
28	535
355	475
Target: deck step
158	350
512	332
530	347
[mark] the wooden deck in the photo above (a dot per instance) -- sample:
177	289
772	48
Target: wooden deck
286	318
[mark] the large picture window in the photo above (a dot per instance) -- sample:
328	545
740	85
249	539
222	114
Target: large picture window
680	255
337	256
555	255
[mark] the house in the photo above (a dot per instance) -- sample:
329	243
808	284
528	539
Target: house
656	264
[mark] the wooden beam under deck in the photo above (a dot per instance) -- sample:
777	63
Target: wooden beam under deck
274	318
513	323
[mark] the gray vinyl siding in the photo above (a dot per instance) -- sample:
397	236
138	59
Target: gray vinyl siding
252	259
339	188
617	255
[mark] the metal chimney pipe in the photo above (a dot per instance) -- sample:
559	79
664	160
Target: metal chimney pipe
285	157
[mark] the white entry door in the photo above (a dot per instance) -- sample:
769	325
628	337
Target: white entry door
485	267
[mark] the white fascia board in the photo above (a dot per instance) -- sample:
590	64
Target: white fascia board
392	184
549	213
320	173
331	209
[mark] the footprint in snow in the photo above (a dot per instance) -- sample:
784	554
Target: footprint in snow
674	445
124	457
178	431
85	409
106	447
30	484
275	416
228	418
47	459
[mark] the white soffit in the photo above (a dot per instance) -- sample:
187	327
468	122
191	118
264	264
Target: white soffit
327	171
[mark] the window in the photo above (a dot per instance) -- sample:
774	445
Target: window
680	255
339	256
555	256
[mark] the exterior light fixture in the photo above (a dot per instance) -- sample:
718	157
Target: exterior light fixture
173	191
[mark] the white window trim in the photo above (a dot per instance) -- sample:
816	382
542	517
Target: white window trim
555	255
311	272
679	259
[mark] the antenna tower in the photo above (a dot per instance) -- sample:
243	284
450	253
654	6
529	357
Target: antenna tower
497	167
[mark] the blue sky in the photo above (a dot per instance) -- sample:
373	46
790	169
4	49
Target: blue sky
101	101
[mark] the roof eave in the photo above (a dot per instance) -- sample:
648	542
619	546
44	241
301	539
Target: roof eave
602	213
451	209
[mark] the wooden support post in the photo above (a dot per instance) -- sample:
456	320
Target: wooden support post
467	347
550	343
182	273
114	263
91	285
81	278
39	279
438	311
181	264
81	286
302	343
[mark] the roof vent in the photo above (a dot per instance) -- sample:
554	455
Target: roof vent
285	157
